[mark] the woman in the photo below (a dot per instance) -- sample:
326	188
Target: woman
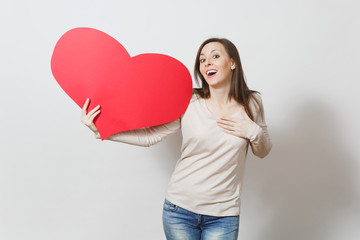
223	117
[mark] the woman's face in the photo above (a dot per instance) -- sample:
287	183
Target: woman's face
215	65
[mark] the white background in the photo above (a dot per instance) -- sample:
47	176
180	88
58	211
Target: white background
58	182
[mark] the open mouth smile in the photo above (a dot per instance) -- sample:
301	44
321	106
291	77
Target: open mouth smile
211	72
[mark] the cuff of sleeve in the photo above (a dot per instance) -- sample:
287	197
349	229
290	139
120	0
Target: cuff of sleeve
97	135
254	131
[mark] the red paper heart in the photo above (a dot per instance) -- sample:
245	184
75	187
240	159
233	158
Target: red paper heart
134	92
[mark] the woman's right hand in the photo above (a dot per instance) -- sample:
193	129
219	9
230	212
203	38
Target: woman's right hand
88	118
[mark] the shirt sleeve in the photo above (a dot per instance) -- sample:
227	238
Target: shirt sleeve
145	137
260	141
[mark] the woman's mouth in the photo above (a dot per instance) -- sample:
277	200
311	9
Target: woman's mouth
211	72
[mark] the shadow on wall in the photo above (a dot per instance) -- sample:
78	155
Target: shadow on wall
307	183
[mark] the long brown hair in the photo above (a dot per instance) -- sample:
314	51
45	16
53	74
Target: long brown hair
239	89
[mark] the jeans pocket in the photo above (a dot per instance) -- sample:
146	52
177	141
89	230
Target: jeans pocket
168	206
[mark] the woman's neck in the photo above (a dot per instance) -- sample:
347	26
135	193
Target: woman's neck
220	96
220	104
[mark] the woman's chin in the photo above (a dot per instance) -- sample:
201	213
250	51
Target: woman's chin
213	83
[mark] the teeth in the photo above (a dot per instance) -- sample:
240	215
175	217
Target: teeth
211	72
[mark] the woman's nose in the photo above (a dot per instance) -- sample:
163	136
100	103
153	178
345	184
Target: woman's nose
207	62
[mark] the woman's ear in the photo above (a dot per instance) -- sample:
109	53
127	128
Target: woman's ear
233	65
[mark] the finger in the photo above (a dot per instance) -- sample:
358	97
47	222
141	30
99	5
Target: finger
84	108
227	121
224	123
93	110
94	115
229	132
227	127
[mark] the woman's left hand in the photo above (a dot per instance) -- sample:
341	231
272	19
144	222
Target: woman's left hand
236	126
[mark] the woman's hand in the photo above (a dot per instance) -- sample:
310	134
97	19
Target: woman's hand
235	126
88	119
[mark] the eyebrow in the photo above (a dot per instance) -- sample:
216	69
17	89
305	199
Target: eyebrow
210	52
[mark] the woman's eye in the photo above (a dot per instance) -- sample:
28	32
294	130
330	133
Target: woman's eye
216	56
202	60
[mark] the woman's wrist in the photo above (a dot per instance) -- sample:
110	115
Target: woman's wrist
253	131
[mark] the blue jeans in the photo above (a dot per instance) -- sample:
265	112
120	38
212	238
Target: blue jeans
181	224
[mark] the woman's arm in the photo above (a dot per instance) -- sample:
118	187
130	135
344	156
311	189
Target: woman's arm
255	131
145	137
141	137
260	141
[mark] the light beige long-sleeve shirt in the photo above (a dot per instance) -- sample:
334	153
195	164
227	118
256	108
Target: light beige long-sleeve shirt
208	176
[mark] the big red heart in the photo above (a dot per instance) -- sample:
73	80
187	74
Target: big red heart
134	92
